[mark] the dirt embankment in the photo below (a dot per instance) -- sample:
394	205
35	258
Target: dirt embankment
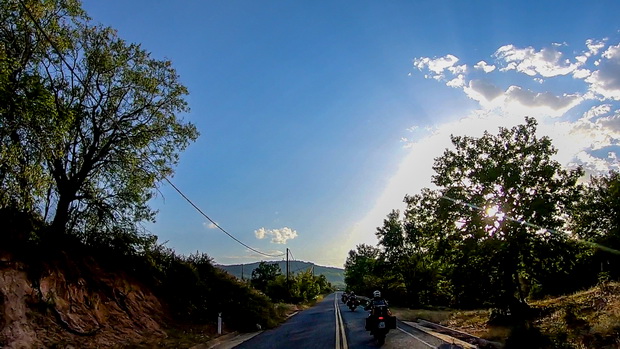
73	303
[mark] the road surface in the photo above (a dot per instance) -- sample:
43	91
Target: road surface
330	324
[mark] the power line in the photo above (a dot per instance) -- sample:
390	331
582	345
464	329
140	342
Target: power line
217	225
62	58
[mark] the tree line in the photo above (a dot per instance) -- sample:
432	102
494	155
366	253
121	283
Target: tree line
295	287
505	223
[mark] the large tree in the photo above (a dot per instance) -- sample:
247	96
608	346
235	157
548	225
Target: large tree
27	31
359	269
596	219
108	129
506	189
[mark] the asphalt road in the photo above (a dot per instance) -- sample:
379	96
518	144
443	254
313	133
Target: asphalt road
330	324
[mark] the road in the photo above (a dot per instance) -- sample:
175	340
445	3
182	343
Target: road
330	324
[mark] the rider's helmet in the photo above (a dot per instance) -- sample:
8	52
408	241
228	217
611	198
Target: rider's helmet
376	294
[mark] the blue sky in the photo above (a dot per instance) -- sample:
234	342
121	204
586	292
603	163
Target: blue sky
317	117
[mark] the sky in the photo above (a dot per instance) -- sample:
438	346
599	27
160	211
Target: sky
318	117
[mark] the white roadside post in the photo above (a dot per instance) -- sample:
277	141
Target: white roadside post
219	323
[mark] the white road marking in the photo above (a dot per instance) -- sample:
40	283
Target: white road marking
419	339
340	332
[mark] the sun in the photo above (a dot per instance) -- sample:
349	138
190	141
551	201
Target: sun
494	212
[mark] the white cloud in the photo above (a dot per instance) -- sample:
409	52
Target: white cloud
458	69
438	65
457	82
278	236
548	62
483	91
484	66
594	46
606	80
542	102
581	73
597	111
595	166
517	99
611	125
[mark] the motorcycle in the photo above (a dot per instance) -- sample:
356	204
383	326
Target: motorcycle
379	322
344	298
353	303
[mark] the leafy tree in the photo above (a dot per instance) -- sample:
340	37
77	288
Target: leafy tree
506	189
393	251
308	287
106	129
359	269
431	249
263	274
26	104
391	237
596	219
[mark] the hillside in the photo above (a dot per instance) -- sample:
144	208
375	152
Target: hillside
244	271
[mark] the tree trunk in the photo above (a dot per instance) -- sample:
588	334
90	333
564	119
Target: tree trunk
61	216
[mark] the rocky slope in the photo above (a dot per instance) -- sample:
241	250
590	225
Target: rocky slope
74	303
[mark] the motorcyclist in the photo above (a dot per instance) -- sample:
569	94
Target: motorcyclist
376	300
352	301
380	319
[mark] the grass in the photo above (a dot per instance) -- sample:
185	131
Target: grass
586	319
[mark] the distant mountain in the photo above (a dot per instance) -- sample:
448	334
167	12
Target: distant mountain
244	271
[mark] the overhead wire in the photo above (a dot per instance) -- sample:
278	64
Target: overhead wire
215	224
71	70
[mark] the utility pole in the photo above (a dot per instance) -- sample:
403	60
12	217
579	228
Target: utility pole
287	266
241	271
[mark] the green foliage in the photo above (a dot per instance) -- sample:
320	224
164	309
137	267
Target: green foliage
300	287
89	123
496	230
596	219
513	179
264	274
26	103
359	269
196	291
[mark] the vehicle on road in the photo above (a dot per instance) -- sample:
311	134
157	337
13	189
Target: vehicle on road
379	322
353	302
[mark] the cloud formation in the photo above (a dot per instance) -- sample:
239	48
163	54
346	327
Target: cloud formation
278	236
606	80
580	108
548	62
484	66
